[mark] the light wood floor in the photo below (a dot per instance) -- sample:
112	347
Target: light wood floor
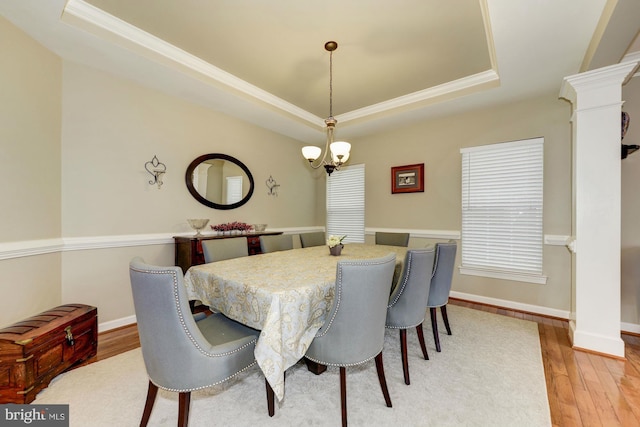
584	389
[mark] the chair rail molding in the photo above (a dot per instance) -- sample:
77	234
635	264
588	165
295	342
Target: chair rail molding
426	234
9	250
549	239
19	249
556	240
104	242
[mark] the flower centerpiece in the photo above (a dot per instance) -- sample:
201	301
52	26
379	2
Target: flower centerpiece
229	228
335	244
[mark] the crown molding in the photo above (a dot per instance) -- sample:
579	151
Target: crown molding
458	87
632	57
82	15
612	75
87	17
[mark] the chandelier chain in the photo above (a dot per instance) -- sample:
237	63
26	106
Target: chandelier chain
335	153
331	84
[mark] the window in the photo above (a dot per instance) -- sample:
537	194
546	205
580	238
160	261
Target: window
234	189
502	187
345	203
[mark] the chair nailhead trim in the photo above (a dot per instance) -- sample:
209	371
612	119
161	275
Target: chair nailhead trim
435	263
192	338
346	364
405	279
181	316
339	293
204	386
405	327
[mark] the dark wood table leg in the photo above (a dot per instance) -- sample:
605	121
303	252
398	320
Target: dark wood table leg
314	367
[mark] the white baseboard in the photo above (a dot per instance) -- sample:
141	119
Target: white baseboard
630	328
536	309
9	250
610	345
544	311
113	324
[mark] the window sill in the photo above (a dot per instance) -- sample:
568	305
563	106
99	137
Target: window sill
505	275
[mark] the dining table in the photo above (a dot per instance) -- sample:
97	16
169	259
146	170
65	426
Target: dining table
286	295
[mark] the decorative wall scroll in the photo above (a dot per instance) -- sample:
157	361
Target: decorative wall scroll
272	185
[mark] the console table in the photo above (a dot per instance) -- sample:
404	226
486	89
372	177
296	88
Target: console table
189	249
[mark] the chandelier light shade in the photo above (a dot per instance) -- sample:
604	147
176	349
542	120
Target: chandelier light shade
335	153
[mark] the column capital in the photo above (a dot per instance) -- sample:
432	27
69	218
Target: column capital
613	76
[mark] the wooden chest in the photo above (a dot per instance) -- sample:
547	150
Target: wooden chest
35	350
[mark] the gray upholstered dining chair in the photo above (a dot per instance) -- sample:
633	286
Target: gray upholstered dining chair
221	249
392	239
441	286
406	308
354	330
314	238
278	242
183	353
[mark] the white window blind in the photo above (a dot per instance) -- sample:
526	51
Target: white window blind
502	189
345	203
234	189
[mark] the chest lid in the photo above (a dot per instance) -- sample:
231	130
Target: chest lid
24	332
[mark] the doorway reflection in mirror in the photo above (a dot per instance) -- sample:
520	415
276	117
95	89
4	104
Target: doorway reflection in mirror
219	181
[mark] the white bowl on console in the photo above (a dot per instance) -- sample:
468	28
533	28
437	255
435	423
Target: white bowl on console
259	228
198	225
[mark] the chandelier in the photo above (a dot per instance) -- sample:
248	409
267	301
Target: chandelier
335	153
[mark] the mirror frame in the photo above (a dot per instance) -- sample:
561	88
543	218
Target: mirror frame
198	196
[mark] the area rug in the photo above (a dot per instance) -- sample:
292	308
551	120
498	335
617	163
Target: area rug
489	373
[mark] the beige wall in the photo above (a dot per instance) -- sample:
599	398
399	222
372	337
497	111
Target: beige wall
630	239
437	143
74	142
30	84
111	127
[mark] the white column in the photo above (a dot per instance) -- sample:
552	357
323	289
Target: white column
597	98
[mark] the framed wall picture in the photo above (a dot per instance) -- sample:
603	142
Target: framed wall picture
407	179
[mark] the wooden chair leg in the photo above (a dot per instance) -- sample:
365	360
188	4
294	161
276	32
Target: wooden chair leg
184	399
343	394
405	358
270	399
148	406
434	327
314	367
383	381
420	332
443	310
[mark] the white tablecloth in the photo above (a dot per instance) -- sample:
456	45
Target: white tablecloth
286	295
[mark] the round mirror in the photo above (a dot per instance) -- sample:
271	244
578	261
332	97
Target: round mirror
219	181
